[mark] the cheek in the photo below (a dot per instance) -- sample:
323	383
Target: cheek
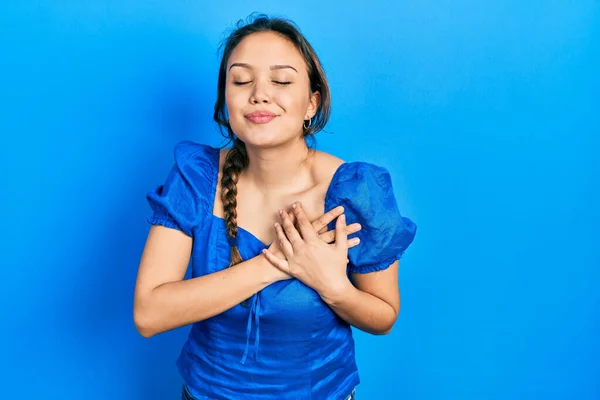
294	102
232	100
236	104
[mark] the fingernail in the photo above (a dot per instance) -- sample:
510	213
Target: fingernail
294	205
280	212
343	217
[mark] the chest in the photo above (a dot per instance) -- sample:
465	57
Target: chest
256	213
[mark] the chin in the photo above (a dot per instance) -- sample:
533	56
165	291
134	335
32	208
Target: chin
261	137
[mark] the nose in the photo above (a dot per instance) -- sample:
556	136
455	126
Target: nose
260	93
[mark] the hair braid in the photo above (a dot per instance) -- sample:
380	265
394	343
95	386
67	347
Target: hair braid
235	162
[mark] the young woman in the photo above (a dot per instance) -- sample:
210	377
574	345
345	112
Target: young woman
276	282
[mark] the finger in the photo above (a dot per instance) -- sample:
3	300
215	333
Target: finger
306	228
321	223
329	236
353	228
290	231
341	239
284	243
276	261
353	242
292	217
294	220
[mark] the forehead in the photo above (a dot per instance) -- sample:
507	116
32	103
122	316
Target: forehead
263	49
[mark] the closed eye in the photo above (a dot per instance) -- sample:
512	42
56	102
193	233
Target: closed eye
240	83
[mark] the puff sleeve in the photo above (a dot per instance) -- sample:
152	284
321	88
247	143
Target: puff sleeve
182	201
365	191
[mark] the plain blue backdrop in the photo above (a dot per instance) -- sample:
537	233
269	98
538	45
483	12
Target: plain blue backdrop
487	115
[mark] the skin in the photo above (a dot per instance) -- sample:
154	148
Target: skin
266	72
282	171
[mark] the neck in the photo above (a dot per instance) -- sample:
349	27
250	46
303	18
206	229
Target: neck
278	169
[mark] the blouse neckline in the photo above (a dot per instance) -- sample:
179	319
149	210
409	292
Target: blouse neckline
216	152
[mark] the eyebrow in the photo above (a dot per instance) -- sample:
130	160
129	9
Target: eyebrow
273	67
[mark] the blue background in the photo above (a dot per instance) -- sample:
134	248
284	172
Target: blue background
486	114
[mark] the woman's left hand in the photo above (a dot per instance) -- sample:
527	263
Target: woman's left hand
308	258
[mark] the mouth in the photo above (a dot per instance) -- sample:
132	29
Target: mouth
260	117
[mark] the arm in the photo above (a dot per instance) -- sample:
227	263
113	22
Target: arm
164	301
372	304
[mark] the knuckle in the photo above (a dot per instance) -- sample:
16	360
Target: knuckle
314	241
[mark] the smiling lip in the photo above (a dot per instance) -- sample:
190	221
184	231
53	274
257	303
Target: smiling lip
260	117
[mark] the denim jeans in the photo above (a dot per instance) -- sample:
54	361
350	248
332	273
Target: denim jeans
186	395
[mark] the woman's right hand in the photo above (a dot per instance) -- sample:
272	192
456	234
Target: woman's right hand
320	226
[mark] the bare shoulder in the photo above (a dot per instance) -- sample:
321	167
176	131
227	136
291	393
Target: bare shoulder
324	167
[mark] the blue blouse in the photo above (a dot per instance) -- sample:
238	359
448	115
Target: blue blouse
286	343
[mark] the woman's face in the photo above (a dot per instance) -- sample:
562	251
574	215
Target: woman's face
267	90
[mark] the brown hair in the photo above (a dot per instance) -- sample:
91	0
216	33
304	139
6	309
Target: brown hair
237	157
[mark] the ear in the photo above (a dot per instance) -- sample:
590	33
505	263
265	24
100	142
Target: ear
315	101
